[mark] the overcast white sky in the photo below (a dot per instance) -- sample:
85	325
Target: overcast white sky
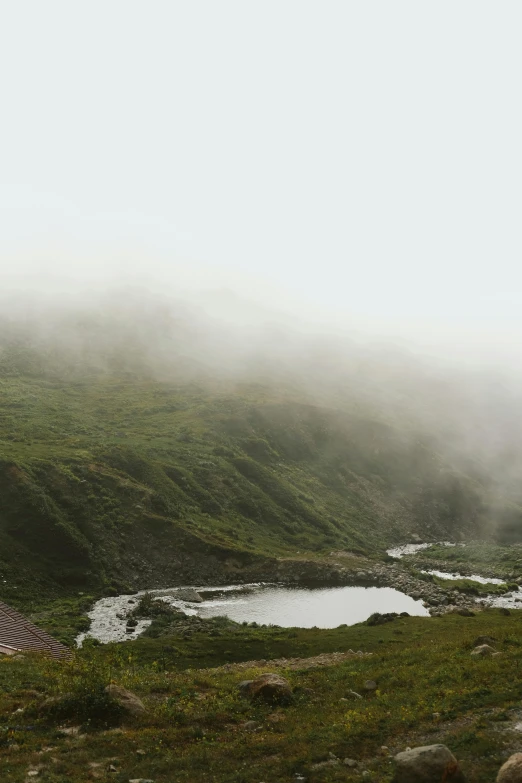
362	158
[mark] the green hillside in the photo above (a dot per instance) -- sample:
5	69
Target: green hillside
111	480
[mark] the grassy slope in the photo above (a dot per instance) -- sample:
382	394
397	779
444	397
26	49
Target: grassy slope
429	690
124	481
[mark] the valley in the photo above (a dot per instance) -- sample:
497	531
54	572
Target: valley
310	524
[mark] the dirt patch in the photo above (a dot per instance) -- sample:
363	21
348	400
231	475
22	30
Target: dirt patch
316	661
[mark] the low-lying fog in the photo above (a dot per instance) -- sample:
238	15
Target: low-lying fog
473	412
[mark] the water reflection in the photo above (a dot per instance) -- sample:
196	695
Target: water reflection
306	608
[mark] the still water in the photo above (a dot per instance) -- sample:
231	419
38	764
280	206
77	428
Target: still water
260	603
306	608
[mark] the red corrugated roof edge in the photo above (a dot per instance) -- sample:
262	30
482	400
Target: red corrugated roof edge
19	632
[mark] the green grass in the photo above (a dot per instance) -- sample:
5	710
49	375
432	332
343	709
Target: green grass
192	729
486	558
472	587
112	481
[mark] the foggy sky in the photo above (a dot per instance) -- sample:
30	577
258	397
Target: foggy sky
356	163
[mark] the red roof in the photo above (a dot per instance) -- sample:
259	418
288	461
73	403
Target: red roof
18	634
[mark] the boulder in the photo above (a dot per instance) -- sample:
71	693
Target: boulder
370	685
190	595
269	687
511	771
427	764
483	640
127	700
483	650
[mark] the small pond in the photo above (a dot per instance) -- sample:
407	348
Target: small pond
325	607
264	604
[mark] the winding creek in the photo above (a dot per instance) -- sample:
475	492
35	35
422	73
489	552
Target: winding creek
276	604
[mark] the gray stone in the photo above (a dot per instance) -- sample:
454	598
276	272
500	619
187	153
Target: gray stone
427	764
190	595
483	650
370	685
269	687
511	771
483	640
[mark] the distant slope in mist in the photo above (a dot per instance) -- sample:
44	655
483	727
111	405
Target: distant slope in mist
116	472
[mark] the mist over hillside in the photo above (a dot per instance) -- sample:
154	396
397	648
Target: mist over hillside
471	411
141	434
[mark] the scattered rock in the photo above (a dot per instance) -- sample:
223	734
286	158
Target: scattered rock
370	685
465	612
188	594
483	650
140	780
350	763
269	687
504	611
380	619
353	695
511	771
127	700
427	764
325	764
483	640
250	725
